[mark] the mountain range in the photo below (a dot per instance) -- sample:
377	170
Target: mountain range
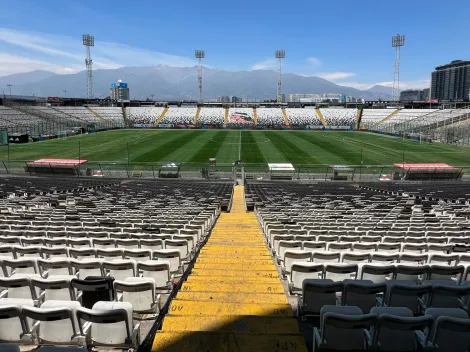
177	83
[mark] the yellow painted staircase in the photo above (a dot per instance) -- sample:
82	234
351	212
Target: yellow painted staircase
94	113
255	117
286	120
124	116
387	118
198	112
226	116
358	118
162	115
322	119
233	299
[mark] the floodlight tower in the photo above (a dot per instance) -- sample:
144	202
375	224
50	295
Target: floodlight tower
88	42
199	54
280	54
397	42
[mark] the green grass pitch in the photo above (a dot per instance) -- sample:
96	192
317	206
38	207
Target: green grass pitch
261	147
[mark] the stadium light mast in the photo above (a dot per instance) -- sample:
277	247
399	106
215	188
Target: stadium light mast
397	42
280	55
9	87
88	42
199	54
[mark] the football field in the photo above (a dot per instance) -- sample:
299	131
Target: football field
257	147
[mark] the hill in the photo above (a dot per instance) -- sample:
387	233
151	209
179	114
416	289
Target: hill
167	82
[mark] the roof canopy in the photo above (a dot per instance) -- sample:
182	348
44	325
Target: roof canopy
281	167
341	168
425	167
171	164
58	162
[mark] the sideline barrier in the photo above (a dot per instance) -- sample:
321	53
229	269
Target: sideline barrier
224	172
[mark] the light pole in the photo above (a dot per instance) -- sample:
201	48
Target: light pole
199	54
397	42
9	87
280	55
65	94
88	42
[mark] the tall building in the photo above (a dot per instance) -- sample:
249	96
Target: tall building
119	92
282	98
223	99
451	81
412	95
426	93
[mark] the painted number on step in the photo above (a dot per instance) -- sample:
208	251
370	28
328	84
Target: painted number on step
281	311
286	346
178	308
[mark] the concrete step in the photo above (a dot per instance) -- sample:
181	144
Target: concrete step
236	324
233	279
229	287
196	308
228	342
233	273
239	297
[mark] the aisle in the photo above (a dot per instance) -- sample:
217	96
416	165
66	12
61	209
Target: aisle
233	300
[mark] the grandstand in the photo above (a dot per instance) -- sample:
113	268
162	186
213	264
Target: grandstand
241	117
392	121
211	116
434	119
303	117
177	116
108	113
81	114
144	115
343	118
267	266
12	117
372	117
269	117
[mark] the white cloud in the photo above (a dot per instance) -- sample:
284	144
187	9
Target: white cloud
356	85
264	65
314	61
34	43
64	54
334	75
10	64
139	56
418	84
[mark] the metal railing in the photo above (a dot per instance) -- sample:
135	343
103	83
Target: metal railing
312	172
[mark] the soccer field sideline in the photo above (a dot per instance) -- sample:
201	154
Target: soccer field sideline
227	146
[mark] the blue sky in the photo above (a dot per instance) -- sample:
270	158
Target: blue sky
345	43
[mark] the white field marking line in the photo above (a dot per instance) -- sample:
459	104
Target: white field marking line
240	146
